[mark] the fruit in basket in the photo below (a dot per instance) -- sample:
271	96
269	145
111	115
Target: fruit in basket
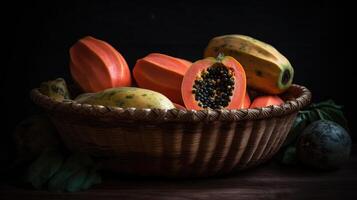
178	106
324	144
127	97
263	101
55	89
214	83
161	73
246	102
95	65
267	69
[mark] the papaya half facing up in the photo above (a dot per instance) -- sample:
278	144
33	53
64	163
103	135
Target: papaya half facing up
267	69
214	83
161	73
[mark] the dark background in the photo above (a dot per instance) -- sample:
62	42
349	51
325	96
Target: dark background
39	35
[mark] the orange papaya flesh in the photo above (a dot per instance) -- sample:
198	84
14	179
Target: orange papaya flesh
264	101
214	84
246	103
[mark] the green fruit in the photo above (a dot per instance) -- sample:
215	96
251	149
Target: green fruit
75	182
127	97
92	178
289	156
56	89
297	128
71	166
324	144
33	135
44	167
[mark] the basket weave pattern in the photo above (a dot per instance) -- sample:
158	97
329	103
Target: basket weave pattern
175	143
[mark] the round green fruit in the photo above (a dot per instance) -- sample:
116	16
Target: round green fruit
324	145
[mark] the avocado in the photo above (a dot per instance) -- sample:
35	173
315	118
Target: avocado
324	145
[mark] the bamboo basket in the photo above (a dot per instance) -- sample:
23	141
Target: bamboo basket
175	143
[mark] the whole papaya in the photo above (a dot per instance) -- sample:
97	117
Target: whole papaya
267	70
95	65
161	73
127	97
55	89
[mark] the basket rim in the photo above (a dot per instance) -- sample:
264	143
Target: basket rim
70	108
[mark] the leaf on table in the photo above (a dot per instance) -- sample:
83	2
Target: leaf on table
335	115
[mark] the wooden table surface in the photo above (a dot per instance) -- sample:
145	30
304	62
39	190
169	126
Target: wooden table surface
269	181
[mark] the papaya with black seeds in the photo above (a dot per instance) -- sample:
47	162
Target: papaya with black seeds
214	83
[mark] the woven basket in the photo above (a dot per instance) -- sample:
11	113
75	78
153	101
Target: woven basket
175	143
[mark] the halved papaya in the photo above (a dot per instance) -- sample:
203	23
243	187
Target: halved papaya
214	83
161	73
264	101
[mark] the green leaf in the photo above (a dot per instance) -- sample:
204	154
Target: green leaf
298	126
336	116
320	114
327	110
329	103
289	156
75	182
324	110
44	167
92	178
313	115
71	166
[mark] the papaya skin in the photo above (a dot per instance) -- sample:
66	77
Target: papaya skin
267	69
55	89
264	101
127	97
180	107
236	100
161	73
95	65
